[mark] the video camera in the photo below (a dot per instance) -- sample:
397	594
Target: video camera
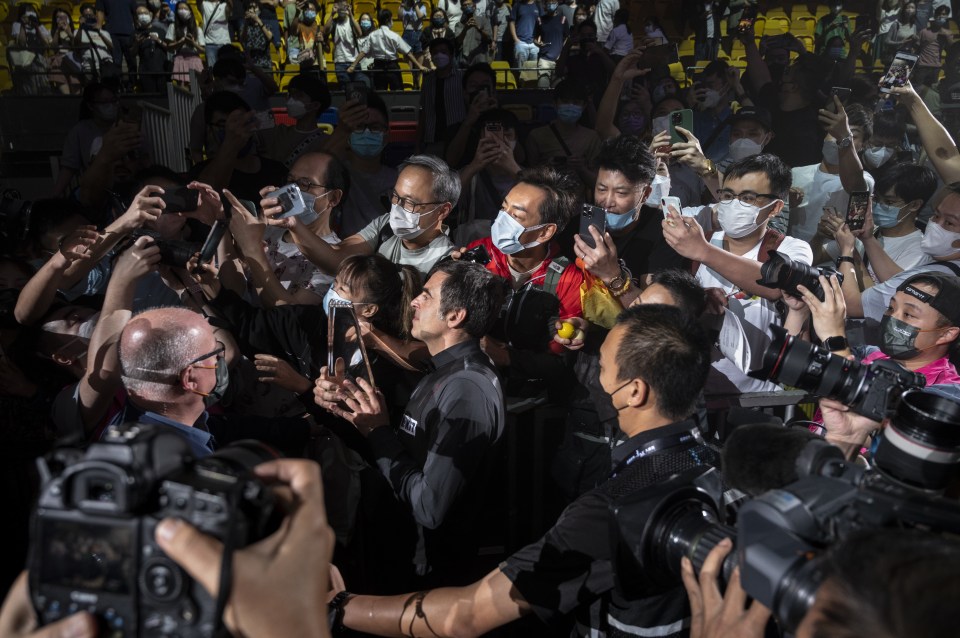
93	530
781	536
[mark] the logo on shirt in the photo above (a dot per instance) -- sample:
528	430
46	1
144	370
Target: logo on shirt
408	425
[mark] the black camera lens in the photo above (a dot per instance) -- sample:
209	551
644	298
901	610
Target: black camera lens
677	118
921	445
783	273
240	457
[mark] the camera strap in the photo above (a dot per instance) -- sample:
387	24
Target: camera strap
226	567
658	445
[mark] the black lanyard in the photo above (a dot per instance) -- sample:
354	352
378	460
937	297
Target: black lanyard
657	445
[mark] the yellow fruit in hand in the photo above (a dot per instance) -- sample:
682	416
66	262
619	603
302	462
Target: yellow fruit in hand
566	330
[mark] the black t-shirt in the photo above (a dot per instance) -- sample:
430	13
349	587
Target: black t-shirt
798	138
644	249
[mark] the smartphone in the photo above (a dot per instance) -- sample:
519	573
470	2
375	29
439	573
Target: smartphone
747	18
899	71
841	92
478	255
290	200
857	209
344	342
209	248
666	202
251	207
493	129
659	55
592	216
181	200
683	119
357	92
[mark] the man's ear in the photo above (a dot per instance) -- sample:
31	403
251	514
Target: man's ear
775	210
444	211
949	336
639	393
546	233
915	205
189	380
336	196
456	318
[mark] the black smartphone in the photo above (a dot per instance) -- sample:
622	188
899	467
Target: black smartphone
899	71
683	119
357	92
478	255
493	129
841	92
181	200
659	55
592	216
251	207
857	209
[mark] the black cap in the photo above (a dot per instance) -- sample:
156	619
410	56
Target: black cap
754	113
944	301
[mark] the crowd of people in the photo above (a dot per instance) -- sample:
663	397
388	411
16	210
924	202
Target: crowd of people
609	266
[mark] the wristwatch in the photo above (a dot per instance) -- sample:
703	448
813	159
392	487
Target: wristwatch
843	258
620	280
335	611
711	169
835	344
846	142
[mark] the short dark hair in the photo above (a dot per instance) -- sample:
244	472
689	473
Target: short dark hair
230	67
858	115
891	583
479	67
781	179
314	87
376	103
629	155
570	89
564	195
890	124
471	287
337	176
48	213
684	288
668	349
384	17
223	102
908	181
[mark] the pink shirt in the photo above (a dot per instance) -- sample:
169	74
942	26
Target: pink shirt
936	372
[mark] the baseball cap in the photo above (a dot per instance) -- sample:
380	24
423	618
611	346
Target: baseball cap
752	113
944	301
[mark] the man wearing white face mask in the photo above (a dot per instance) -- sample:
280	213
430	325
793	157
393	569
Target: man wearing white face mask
827	184
750	131
712	96
941	241
307	98
752	195
412	233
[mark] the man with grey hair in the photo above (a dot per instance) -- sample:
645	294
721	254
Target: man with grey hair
172	366
412	233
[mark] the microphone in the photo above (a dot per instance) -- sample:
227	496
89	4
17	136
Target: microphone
760	457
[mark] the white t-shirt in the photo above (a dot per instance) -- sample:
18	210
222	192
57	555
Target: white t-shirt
876	299
756	311
215	28
820	189
346	45
293	269
603	17
905	251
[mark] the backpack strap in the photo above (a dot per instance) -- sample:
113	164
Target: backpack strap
555	270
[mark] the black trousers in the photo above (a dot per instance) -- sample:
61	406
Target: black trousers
388	76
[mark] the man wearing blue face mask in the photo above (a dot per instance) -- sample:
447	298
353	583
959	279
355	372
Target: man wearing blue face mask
630	189
565	143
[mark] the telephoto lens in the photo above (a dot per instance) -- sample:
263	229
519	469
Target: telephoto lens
921	445
782	273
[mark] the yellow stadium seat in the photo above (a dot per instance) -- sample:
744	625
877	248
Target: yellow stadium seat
678	74
821	11
803	26
365	6
776	25
800	10
759	26
505	77
6	82
326	127
686	47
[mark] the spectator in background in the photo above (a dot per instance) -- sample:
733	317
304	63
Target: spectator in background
385	47
441	98
750	133
565	143
94	45
28	52
473	36
620	41
116	17
585	62
501	25
832	25
603	14
255	37
99	109
439	30
479	94
712	95
453	10
307	98
148	43
64	66
902	35
345	31
216	27
412	14
185	41
552	32
524	18
888	11
267	12
932	40
887	143
302	40
706	28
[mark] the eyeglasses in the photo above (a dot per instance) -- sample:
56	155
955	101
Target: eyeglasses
218	352
410	206
725	195
303	183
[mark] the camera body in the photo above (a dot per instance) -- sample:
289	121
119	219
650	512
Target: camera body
93	543
779	271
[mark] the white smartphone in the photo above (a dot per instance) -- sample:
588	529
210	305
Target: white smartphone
666	202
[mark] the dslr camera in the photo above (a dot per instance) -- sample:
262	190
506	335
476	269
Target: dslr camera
783	273
781	536
93	529
871	390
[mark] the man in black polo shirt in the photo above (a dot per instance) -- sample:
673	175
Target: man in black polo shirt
653	365
634	245
439	458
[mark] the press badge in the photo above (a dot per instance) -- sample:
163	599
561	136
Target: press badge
408	425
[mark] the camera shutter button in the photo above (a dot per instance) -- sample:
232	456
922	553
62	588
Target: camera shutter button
161	581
